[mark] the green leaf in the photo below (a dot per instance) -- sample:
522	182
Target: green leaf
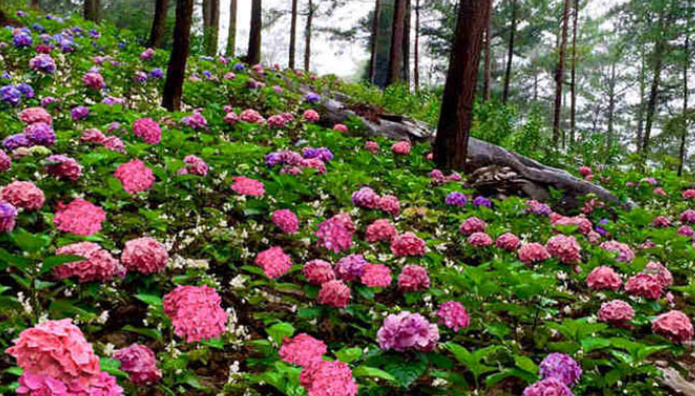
366	371
29	242
348	355
15	261
406	372
592	344
112	366
149	299
152	333
53	261
279	331
525	363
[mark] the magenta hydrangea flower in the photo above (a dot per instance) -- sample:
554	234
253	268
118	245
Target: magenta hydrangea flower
350	267
144	255
194	166
135	176
274	262
560	367
79	217
401	148
480	239
407	331
453	315
195	312
616	312
63	167
99	264
564	248
286	221
625	253
603	278
376	275
148	130
408	244
334	293
548	387
5	162
23	194
93	80
530	253
674	325
645	285
302	350
8	215
508	242
246	186
381	230
318	272
140	363
413	278
366	198
328	379
472	225
336	233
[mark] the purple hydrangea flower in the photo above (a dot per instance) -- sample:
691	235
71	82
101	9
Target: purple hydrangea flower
284	157
10	95
26	90
600	227
238	67
140	77
94	34
79	113
350	267
482	201
456	198
407	331
40	133
207	74
48	100
5	75
321	153
15	141
38	27
548	386
110	100
157	73
560	367
313	97
43	63
22	40
366	198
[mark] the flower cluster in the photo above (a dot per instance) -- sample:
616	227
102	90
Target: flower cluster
274	262
144	255
140	363
135	176
195	312
407	331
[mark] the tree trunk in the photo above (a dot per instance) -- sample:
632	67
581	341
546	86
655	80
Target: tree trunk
375	39
451	144
560	73
510	54
416	69
35	4
293	34
487	72
684	136
405	57
176	72
253	55
611	105
397	34
307	36
211	25
573	83
640	106
160	16
91	10
659	49
231	37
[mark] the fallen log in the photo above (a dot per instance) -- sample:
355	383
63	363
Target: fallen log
522	176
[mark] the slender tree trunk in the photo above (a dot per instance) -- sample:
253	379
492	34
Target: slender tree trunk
416	69
397	34
253	55
451	144
573	83
487	72
293	34
611	105
35	4
307	36
510	54
91	10
684	136
535	86
231	37
176	72
160	16
375	39
640	106
211	24
659	49
560	73
405	57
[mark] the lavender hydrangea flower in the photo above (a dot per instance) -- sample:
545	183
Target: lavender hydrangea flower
560	367
43	63
157	73
407	331
15	141
482	201
600	227
313	97
26	90
79	113
456	199
22	40
10	95
140	77
350	267
40	133
238	67
366	198
321	153
94	34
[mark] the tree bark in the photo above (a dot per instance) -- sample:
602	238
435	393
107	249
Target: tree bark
573	83
640	106
160	16
560	74
510	54
307	36
293	34
416	69
176	72
91	10
659	49
405	57
397	34
487	72
451	144
686	67
253	55
231	37
375	39
611	105
211	25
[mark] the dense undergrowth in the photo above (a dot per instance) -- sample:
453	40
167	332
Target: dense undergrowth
481	292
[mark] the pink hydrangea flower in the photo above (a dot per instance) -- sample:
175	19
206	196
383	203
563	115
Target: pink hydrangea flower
674	325
688	194
194	166
334	293
41	385
413	278
63	167
401	148
340	128
318	272
302	350
99	264
408	244
58	349
328	379
625	253
366	198
23	194
147	54
472	225
336	233
274	262
584	225
407	331
381	230
79	217
585	171
195	312
311	116
616	312
479	239
251	116
564	248
148	130
144	255
593	237
530	253
508	242
286	221
390	204
5	162
135	176
603	278
376	275
246	186
350	267
548	387
661	272
93	80
645	285
453	315
688	216
35	114
92	135
231	118
661	222
372	147
140	363
114	143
